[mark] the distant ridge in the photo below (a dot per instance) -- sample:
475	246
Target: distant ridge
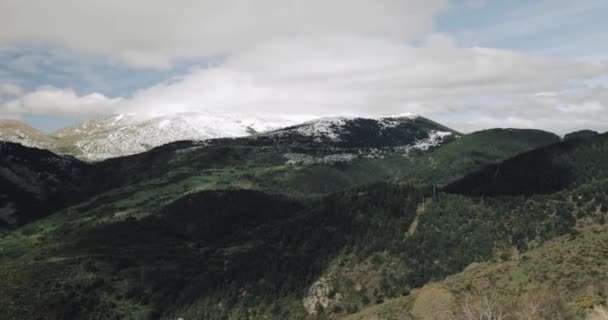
126	134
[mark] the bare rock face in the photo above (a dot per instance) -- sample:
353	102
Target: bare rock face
321	295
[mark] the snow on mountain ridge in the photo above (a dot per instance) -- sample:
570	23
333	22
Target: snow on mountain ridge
121	135
19	132
331	127
125	134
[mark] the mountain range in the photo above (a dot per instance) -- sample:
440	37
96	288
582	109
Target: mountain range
126	134
334	218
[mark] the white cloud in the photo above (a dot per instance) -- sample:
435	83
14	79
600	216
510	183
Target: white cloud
562	112
50	100
367	76
308	57
10	89
155	33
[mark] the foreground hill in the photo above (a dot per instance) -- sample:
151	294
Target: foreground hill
35	183
241	229
246	254
561	279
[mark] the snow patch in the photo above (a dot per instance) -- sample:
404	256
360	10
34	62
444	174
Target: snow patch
325	127
434	139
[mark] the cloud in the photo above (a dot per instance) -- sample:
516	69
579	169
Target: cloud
155	33
55	101
295	57
585	107
364	76
10	89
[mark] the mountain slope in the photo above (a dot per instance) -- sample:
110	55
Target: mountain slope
561	279
544	170
35	182
294	167
18	132
239	254
241	228
473	151
122	135
128	134
408	131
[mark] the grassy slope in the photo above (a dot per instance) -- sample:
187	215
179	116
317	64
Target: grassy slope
572	267
476	150
544	170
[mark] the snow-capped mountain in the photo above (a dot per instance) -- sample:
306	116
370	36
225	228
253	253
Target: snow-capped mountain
405	131
342	139
127	134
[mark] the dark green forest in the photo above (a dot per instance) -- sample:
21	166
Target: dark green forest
156	244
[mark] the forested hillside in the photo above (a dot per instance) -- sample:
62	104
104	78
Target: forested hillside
202	234
549	169
166	173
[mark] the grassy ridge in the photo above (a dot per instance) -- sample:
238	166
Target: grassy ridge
544	170
476	150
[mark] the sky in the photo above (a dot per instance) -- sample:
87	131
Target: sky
469	64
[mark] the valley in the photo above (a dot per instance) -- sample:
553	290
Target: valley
389	218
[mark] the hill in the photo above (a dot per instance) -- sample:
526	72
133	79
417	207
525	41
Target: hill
230	253
18	132
35	183
559	280
128	134
549	169
275	164
474	151
234	228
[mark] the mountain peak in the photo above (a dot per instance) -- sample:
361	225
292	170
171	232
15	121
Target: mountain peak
20	132
406	131
125	134
130	133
